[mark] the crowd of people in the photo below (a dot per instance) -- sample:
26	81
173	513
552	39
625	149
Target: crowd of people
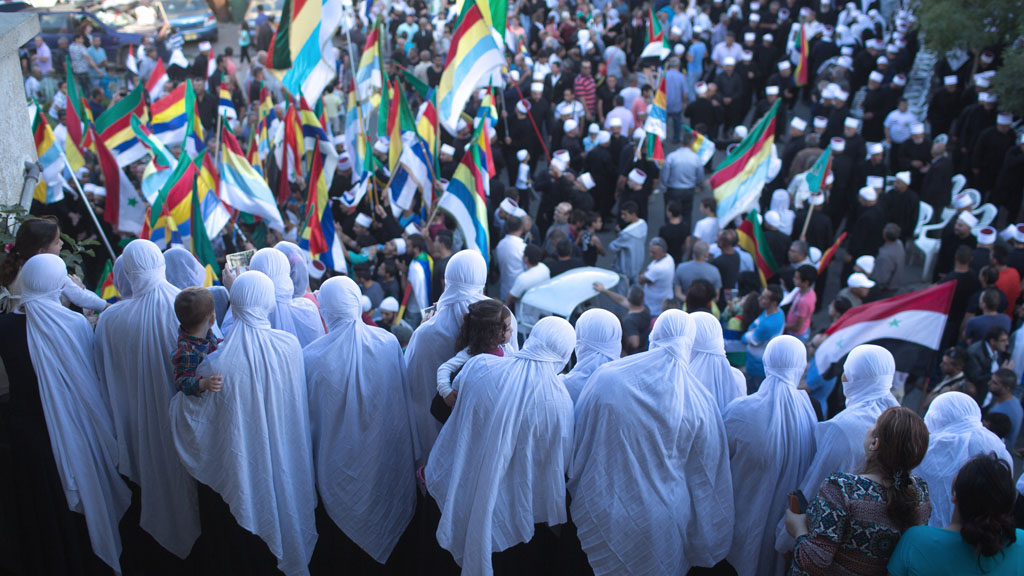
407	412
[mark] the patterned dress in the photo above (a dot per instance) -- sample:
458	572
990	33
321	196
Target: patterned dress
850	532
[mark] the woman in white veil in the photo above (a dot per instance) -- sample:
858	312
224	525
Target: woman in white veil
781	204
771	445
709	364
598	341
955	435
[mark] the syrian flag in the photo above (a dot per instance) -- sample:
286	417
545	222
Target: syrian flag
131	63
910	326
156	81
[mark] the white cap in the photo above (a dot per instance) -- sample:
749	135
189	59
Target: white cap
820	122
986	97
615	122
461	125
876	182
858	280
814	254
851	122
562	155
876	76
875	148
962	200
701	88
981	81
587	180
382	145
868	193
882	60
740	131
603	137
845	62
773	219
892	48
950	80
679	49
987	57
866	263
399	246
917	128
899	80
514	75
987	235
749	37
747	56
830	178
798	123
536	87
570	125
639	134
676	31
841	95
559	164
772	90
755	17
316	269
344	162
784	65
637	176
838	145
1018	233
729	61
593	128
364	303
389	304
817	199
412	230
768	38
508	206
205	46
563	108
1004	118
447	149
967	218
364	220
846	50
522	106
904	177
522	155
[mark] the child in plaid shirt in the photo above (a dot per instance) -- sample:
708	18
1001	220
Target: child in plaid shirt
194	308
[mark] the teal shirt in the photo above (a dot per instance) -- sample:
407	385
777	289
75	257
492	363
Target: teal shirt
926	550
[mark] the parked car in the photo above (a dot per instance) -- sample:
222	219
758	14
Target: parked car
567	295
193	19
56	24
271	8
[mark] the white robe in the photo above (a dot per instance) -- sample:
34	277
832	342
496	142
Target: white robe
598	341
771	445
955	436
498	467
297	316
650	481
135	339
60	343
361	422
298	270
183	270
710	366
433	342
251	442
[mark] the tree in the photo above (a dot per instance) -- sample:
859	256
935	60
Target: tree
975	25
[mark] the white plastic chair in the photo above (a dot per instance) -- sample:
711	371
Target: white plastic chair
948	212
959	181
986	215
975	197
924	215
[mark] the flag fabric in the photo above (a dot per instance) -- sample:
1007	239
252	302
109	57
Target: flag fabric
826	258
368	75
426	127
354	196
202	248
170	116
191	175
657	114
163	231
494	12
355	136
739	179
400	121
418	86
115	127
159	167
819	172
751	239
225	107
106	289
702	146
319	233
130	62
465	200
158	78
315	136
302	45
123	208
50	188
909	325
655	150
658	45
211	65
416	161
215	213
289	152
804	63
244	189
77	114
195	135
472	58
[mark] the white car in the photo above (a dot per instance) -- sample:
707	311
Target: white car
564	294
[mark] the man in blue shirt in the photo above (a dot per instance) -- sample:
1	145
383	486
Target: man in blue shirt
676	88
1001	387
768	325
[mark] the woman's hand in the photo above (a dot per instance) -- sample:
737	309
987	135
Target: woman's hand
796	524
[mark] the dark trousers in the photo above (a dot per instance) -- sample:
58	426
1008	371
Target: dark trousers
685	198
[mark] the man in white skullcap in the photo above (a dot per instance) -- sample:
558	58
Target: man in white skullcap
497	471
657	499
989	152
958	232
902	203
135	339
945	105
251	443
771	446
362	428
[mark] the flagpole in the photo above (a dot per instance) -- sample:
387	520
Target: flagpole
807	221
529	114
88	206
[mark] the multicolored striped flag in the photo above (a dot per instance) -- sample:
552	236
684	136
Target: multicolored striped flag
738	182
826	258
242	187
77	119
169	117
702	146
657	114
355	134
804	63
195	135
159	168
465	200
115	127
473	57
201	247
302	45
225	107
50	188
658	45
123	208
368	76
751	239
158	78
106	289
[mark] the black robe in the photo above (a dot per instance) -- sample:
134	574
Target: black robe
989	153
902	208
943	109
820	233
600	165
950	242
865	235
937	184
875	103
1010	182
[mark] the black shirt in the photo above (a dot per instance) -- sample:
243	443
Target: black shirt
674	236
729	268
636	324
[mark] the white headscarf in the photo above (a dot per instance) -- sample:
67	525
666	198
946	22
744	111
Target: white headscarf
499	463
433	343
771	445
135	339
60	344
955	436
650	481
183	270
598	341
710	366
298	270
297	316
361	421
121	282
780	203
251	442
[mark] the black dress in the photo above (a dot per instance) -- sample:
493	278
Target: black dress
45	536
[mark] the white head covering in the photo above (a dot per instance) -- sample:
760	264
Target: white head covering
780	205
298	270
955	436
251	442
135	339
183	270
499	463
598	341
650	481
297	316
708	362
121	282
433	342
771	443
361	421
60	344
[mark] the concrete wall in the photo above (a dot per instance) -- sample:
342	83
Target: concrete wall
16	144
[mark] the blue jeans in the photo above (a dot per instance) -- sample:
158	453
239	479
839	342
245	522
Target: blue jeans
675	121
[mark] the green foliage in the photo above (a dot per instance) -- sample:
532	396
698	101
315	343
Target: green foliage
1009	82
12	215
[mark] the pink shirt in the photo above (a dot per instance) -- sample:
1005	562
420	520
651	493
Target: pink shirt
803	306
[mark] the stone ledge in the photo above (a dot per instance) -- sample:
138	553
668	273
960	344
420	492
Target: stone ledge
16	29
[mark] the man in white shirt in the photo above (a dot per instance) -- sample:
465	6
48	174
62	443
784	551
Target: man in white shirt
657	278
509	253
535	273
726	49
